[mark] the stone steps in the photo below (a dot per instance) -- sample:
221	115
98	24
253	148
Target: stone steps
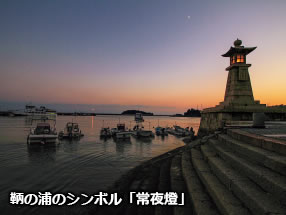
252	196
146	180
178	185
201	202
269	180
271	144
261	156
164	186
219	174
225	201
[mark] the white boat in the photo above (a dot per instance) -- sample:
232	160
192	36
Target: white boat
139	117
120	132
43	133
138	131
31	110
180	132
144	133
123	135
174	132
71	131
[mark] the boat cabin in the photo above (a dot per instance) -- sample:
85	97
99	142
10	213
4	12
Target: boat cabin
139	117
72	127
43	128
121	127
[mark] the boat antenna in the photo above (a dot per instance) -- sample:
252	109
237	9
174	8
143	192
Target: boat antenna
31	124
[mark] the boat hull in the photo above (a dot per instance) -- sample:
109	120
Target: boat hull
105	133
43	138
123	135
144	134
161	131
70	136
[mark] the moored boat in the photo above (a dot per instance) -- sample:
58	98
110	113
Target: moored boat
138	131
71	131
123	135
139	117
180	132
105	132
145	133
120	132
161	131
43	133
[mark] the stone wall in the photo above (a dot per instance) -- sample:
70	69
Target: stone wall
213	121
210	122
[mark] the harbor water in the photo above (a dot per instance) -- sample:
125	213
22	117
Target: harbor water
85	166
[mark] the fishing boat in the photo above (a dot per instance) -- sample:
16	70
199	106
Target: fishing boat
105	132
71	131
138	131
161	131
139	117
179	131
120	132
43	133
144	133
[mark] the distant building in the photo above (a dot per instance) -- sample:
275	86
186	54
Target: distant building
192	113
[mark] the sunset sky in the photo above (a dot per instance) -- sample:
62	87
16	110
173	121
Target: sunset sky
160	55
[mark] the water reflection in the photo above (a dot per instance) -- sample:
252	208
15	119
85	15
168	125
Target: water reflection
79	166
163	137
69	145
40	152
28	121
104	139
92	121
122	145
144	140
144	147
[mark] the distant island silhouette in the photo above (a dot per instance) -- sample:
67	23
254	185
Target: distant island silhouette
133	112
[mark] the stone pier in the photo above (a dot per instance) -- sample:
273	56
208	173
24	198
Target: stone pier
235	171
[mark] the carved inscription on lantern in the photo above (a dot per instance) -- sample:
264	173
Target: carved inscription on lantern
243	74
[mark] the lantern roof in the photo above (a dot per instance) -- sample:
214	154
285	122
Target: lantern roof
238	49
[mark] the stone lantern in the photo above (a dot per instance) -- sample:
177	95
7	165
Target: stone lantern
238	89
239	104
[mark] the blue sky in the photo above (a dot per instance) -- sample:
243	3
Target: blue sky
157	53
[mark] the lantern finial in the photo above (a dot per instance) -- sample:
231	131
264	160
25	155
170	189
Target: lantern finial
237	43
